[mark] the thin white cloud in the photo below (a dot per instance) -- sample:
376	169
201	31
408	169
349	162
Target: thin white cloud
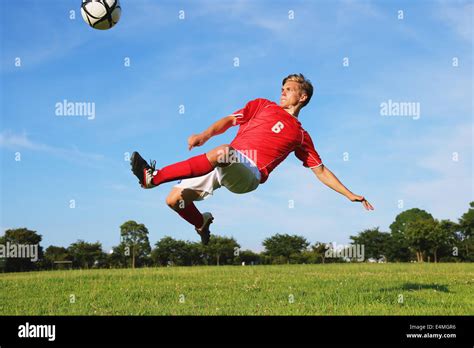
46	43
254	14
17	142
449	189
458	17
350	11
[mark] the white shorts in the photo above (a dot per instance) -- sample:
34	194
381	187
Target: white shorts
240	177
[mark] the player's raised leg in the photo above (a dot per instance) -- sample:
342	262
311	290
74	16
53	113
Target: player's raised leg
149	177
181	201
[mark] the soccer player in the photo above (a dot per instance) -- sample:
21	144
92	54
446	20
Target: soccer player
267	134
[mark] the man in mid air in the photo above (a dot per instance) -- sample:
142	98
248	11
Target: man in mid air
267	134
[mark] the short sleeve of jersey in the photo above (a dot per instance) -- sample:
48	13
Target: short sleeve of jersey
306	152
245	114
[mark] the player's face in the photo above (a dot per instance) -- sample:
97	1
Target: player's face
291	94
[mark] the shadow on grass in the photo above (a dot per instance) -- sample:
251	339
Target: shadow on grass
415	286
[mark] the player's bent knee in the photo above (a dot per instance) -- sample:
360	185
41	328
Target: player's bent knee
173	200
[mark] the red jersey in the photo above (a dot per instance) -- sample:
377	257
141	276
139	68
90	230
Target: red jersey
271	133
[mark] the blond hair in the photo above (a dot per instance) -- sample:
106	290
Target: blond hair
305	85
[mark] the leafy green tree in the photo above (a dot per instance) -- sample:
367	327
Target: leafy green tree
466	222
282	246
21	238
429	236
280	259
222	249
87	255
319	251
170	251
303	257
442	237
120	256
418	234
466	229
194	254
376	244
265	259
247	256
135	237
402	219
400	248
55	253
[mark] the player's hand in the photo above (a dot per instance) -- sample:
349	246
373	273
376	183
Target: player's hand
196	140
365	203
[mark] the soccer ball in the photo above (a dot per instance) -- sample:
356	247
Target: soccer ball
101	14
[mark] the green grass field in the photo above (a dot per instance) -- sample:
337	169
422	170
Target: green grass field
331	289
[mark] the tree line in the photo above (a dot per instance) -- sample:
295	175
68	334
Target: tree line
414	236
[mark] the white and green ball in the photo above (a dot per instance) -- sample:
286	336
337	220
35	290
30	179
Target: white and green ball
101	14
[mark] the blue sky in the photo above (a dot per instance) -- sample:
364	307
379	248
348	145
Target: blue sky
190	62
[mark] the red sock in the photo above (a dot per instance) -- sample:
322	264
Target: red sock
191	214
195	166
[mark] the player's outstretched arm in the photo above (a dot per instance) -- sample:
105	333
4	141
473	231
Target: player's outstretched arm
216	128
330	180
